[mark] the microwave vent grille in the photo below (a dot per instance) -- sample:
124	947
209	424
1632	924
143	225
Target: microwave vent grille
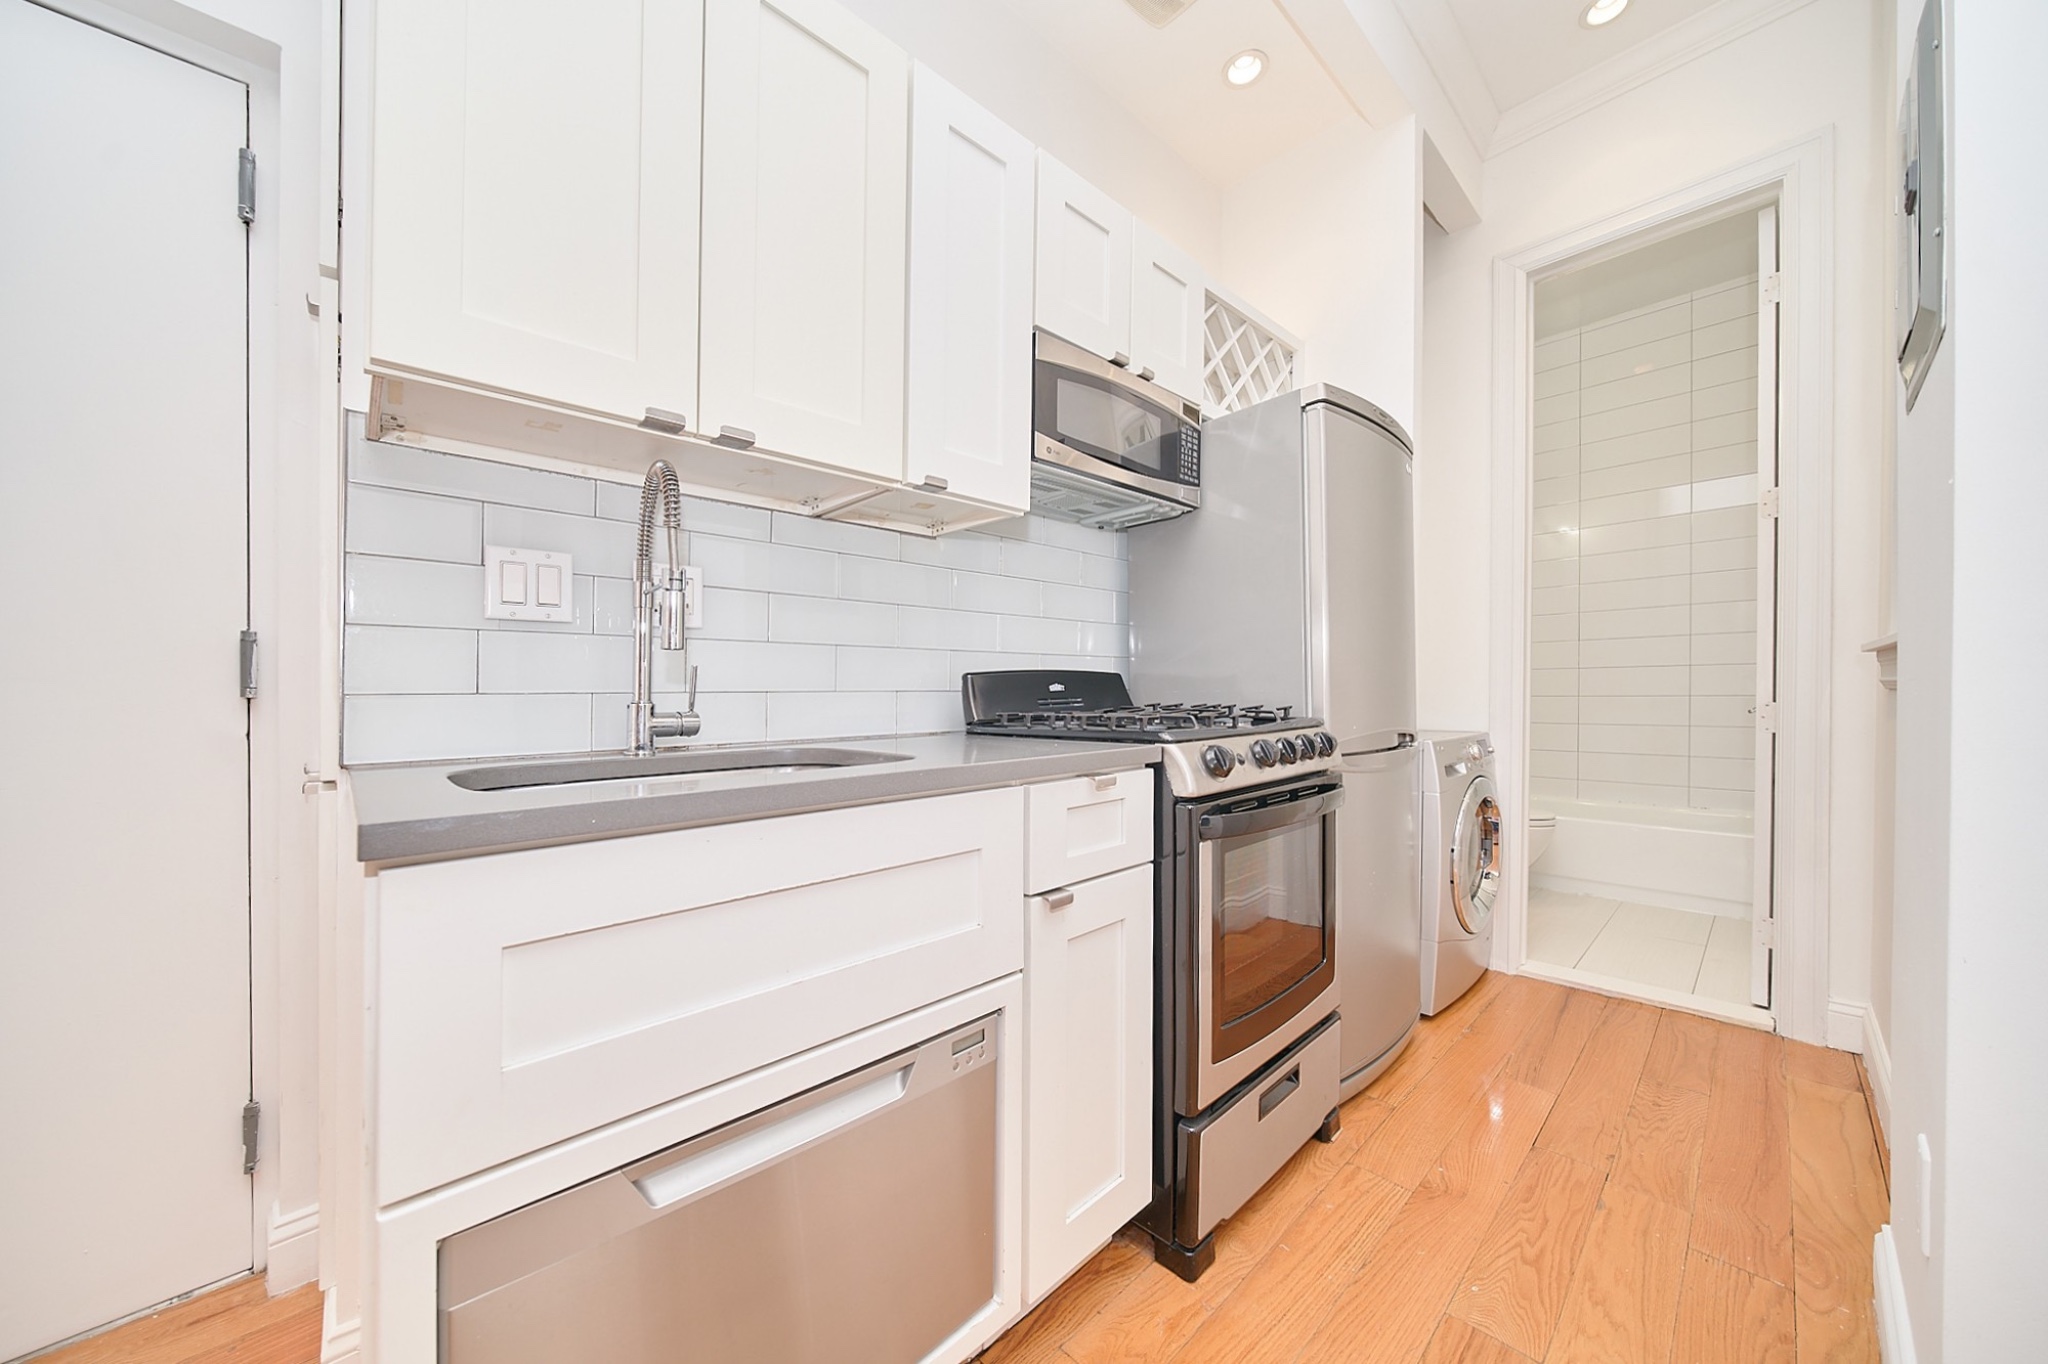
1060	494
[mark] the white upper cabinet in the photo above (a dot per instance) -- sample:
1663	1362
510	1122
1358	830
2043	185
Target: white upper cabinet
534	199
1084	263
1168	295
806	206
971	225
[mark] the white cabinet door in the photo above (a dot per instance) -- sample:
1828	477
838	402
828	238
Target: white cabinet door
1088	1074
533	219
806	207
971	225
1168	294
1084	263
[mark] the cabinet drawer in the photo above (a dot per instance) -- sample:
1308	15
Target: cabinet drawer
1087	826
528	997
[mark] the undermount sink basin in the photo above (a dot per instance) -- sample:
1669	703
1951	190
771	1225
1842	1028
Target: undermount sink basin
683	763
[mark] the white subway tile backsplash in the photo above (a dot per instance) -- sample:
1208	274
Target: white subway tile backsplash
1562	350
1550	765
1632	593
1735	648
1556	436
1720	400
1655	651
394	659
1552	491
1646	386
1639	710
1638	506
1563	653
1725	368
1671	471
1657	443
1561	408
413	525
421	728
1723	679
1551	382
1663	353
1550	601
811	629
1596	682
1724	523
1643	769
1560	544
1730	428
478	480
1556	738
1552	628
1666	740
1723	617
1553	682
1723	743
1724	774
1660	562
1739	491
1633	624
1735	299
1631	793
1671	319
1554	573
1734	334
1723	711
1654	415
1735	584
1724	461
1554	710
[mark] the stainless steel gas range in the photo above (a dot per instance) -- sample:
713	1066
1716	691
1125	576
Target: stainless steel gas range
1245	1047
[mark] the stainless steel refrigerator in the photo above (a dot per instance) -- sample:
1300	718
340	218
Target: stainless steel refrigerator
1294	584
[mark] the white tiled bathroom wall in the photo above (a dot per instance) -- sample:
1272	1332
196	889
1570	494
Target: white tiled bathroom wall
1644	584
812	629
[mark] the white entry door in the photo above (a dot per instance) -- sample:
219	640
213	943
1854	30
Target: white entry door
124	808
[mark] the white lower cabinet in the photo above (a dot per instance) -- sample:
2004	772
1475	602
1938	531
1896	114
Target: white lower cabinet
1088	1070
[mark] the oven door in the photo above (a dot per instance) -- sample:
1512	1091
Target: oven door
1265	949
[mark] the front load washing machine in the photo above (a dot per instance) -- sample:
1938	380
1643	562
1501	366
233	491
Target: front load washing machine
1460	823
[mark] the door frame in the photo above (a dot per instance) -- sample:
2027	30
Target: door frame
1798	178
290	68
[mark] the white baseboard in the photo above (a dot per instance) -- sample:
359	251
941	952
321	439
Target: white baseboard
1877	1064
341	1342
1894	1329
294	1244
1845	1025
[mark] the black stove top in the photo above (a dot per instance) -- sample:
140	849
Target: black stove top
1050	703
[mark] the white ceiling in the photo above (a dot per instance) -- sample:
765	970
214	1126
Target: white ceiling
1171	79
1525	47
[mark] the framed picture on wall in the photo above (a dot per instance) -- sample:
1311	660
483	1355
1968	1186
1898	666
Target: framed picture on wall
1921	303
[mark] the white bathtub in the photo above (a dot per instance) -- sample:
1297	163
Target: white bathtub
1681	859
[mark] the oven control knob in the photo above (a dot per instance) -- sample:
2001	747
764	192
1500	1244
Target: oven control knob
1219	760
1289	752
1326	743
1263	754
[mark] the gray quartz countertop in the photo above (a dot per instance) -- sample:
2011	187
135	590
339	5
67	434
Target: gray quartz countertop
411	812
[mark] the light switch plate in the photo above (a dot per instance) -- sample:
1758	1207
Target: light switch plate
516	582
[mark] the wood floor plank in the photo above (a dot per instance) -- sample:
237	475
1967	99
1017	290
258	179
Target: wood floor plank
1728	1317
1623	1301
1838	1201
1514	1287
1457	1343
1280	1305
1433	1037
1822	1066
1547	1053
1661	1141
1683	1054
1039	1336
1742	1212
1152	1317
1586	1122
226	1319
1392	1309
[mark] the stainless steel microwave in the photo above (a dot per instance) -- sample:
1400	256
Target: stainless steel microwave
1108	448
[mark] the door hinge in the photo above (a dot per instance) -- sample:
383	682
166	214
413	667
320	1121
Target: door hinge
1767	503
1767	716
252	1116
248	665
245	186
1766	931
1772	288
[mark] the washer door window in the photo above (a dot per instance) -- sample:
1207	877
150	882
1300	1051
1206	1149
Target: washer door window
1475	856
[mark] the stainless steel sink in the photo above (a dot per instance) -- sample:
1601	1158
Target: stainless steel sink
685	763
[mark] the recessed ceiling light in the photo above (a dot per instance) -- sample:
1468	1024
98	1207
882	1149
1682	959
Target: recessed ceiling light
1246	67
1602	12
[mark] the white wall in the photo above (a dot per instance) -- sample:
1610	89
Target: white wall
1819	67
1004	66
1327	240
1967	1006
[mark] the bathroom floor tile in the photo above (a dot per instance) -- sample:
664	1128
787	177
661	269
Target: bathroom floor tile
1652	921
1562	926
1661	962
1729	936
1725	975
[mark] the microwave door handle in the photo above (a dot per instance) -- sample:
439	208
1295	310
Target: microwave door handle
1238	823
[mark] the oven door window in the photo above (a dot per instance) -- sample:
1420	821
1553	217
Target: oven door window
1100	419
1271	919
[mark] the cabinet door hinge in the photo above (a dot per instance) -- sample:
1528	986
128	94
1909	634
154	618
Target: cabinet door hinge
245	186
1772	288
252	1116
248	665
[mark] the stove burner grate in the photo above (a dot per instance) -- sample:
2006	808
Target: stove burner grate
1142	719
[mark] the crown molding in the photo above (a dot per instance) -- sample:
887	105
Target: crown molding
1646	61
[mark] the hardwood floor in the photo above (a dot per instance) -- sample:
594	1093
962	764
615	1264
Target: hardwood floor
1544	1175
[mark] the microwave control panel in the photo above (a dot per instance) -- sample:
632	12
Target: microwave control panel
1191	456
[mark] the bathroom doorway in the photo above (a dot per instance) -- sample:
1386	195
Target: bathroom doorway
1652	593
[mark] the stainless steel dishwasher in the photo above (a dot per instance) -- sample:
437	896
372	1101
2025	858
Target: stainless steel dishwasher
854	1223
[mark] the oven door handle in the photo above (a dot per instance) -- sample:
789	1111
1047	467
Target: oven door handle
1241	822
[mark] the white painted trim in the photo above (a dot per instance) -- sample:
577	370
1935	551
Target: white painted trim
1683	42
1845	1025
1877	1064
1798	177
294	1241
341	1342
1745	1015
1894	1326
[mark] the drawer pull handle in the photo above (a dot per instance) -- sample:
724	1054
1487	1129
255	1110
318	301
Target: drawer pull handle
1105	783
1279	1092
1059	899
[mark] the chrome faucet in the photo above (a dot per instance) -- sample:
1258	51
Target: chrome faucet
658	606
